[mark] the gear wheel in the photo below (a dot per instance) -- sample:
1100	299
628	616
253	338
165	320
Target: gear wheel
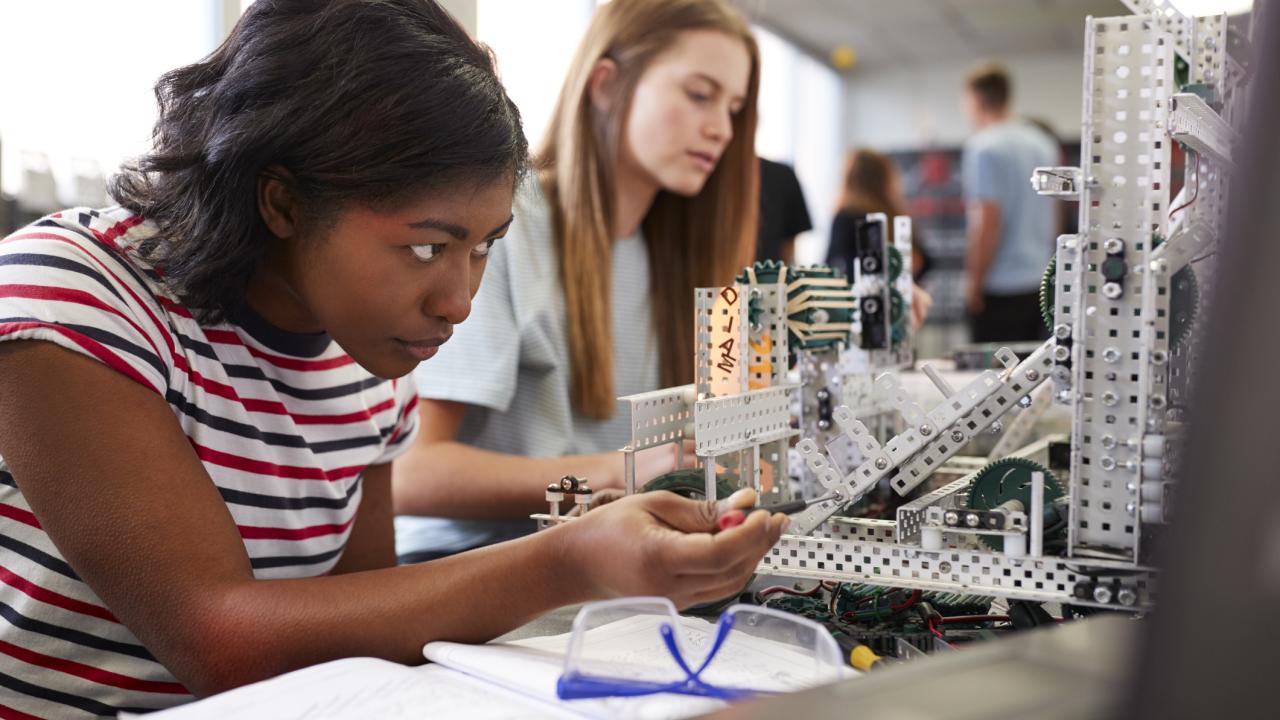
1048	283
1010	479
689	483
768	271
895	263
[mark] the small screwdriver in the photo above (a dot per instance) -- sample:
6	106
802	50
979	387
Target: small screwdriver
736	516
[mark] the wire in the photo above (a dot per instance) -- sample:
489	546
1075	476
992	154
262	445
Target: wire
974	619
1195	188
934	630
784	590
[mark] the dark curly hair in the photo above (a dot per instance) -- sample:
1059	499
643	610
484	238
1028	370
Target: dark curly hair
361	101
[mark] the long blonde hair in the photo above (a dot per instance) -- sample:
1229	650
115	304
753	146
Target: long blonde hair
699	241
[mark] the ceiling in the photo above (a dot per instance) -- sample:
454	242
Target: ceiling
896	33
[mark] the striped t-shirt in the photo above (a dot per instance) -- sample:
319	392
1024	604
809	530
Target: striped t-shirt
283	423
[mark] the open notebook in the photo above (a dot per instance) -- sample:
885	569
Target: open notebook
492	682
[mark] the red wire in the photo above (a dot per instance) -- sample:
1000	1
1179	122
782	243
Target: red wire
934	630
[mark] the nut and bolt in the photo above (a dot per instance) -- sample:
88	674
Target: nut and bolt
1113	246
1062	353
997	427
1062	332
1108	463
957	436
1112	291
1110	399
1127	597
881	463
1108	441
925	430
951	517
1024	401
1111	355
1033	375
1102	594
972	519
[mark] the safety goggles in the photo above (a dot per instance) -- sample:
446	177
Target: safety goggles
639	646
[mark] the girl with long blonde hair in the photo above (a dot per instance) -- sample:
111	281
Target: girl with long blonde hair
646	188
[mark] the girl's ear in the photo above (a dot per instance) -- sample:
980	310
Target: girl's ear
603	85
276	203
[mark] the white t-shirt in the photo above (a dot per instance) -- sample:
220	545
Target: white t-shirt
509	362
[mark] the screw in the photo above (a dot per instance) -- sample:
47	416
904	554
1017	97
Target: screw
925	430
1127	597
1113	246
881	463
1112	291
1062	332
1110	399
1159	357
1111	355
1024	401
1157	402
944	567
1032	375
1108	463
997	427
957	436
1108	441
1062	353
1102	594
824	395
971	519
1131	508
824	425
951	517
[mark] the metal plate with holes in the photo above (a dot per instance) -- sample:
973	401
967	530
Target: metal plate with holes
1128	82
659	417
967	571
911	515
735	422
1004	396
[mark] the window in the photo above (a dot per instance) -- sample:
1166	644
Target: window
78	86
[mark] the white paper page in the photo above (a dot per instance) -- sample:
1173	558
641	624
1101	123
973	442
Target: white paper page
532	666
360	688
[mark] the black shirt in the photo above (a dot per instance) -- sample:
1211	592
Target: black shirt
783	214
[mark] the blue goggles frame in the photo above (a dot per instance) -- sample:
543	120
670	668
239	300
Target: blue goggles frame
577	686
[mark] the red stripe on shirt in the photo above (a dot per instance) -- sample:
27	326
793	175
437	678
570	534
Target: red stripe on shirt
409	407
293	472
76	297
228	337
251	532
98	350
164	330
23	516
102	677
344	418
53	598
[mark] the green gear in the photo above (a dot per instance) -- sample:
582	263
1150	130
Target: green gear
1048	283
690	483
897	316
768	271
1008	479
1184	297
895	263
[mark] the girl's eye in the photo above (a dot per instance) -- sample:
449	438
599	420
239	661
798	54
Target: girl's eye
698	97
427	253
482	250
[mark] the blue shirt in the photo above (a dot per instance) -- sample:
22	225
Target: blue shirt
997	167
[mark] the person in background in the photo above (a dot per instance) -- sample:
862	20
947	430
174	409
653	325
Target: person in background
646	189
783	212
202	391
1010	229
872	184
